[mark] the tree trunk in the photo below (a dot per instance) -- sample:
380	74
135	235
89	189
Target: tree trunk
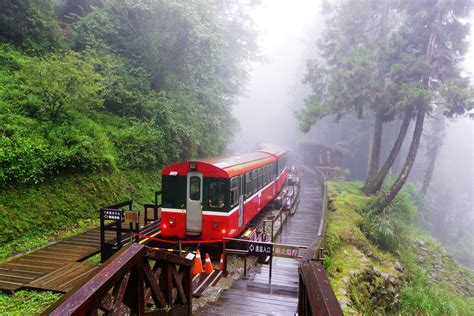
429	172
375	148
410	160
374	185
435	141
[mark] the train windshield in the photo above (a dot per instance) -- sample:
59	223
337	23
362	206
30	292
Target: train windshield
216	194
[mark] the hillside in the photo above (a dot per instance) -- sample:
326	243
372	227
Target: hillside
388	264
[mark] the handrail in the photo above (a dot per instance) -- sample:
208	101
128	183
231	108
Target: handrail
121	204
129	283
316	296
83	300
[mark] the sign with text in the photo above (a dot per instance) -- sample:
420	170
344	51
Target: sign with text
115	215
260	249
285	251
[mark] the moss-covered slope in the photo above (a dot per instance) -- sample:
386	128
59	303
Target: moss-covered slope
386	264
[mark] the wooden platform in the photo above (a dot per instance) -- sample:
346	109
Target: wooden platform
65	278
255	295
49	266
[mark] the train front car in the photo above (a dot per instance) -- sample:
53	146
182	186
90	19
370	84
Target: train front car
211	199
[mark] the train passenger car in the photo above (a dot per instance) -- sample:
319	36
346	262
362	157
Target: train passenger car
215	198
281	157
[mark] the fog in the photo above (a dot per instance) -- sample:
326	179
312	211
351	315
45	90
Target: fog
288	31
265	110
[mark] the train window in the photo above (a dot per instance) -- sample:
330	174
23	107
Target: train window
194	188
216	194
254	181
260	178
234	191
248	184
264	169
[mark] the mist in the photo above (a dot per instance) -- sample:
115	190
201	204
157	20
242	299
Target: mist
265	110
288	33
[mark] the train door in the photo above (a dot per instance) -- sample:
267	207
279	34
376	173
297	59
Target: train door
194	203
241	200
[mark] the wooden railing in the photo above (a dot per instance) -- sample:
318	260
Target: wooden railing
316	296
137	280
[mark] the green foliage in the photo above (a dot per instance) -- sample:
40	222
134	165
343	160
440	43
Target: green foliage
50	88
432	282
149	83
26	302
388	229
420	296
30	25
31	216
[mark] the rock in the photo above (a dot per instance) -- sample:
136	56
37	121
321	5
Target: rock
398	267
344	302
391	289
346	280
352	272
421	260
371	289
384	275
421	243
343	292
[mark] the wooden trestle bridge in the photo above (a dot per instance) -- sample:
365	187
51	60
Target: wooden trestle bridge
137	279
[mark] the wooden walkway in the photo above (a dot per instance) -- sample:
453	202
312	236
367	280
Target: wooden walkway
56	267
255	295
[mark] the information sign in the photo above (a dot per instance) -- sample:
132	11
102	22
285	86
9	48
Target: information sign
260	249
285	251
131	216
115	215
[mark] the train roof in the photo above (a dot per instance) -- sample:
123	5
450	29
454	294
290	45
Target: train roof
271	149
225	166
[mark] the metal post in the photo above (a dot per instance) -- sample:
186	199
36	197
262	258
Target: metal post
273	224
225	259
281	222
180	247
270	270
245	266
102	236
118	223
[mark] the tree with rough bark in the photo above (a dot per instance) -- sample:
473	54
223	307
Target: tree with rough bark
349	74
427	51
398	76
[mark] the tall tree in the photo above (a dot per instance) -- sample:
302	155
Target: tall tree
427	54
352	50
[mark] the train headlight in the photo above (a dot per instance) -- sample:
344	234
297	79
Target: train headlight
172	222
224	232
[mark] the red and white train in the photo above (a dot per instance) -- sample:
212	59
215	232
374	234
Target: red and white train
215	198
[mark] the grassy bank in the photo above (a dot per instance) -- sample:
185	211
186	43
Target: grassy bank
31	216
387	264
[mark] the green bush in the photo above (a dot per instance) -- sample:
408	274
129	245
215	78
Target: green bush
422	297
389	228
